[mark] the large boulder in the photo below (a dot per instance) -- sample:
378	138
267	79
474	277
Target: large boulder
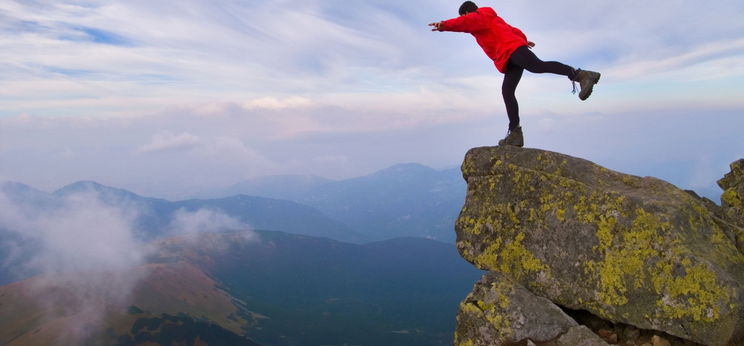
499	311
628	249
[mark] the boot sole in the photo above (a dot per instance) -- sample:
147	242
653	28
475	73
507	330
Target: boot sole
589	90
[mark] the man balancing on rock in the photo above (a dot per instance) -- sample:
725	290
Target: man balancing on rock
510	51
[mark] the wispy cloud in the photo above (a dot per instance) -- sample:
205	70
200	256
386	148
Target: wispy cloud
198	228
713	53
167	141
201	93
204	220
126	57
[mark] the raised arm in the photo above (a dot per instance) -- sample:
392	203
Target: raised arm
470	23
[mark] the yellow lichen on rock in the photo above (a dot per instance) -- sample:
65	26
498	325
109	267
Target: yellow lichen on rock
695	295
486	311
513	259
628	249
626	255
732	199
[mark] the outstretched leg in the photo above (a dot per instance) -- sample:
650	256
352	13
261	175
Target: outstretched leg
526	59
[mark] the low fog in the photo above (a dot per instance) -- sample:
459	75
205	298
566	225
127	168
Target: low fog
79	256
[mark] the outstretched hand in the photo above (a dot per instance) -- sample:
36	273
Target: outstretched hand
530	44
437	26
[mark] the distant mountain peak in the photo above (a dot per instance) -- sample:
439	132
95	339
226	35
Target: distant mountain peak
92	186
107	194
404	168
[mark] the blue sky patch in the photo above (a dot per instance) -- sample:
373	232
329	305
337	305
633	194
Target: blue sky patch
70	72
97	36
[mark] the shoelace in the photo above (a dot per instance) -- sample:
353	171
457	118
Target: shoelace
573	81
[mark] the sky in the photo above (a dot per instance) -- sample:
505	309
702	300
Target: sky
171	99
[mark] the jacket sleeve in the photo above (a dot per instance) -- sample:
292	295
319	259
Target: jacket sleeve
469	23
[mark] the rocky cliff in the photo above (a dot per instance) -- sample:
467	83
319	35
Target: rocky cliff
564	238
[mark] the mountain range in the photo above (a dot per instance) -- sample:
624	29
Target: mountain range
247	287
363	261
406	200
402	200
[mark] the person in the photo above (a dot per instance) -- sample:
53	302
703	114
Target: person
509	49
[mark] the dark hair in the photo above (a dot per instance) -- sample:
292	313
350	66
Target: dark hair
467	7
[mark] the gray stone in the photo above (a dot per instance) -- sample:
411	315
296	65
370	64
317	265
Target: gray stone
634	250
498	311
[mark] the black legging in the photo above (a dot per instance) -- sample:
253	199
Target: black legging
523	59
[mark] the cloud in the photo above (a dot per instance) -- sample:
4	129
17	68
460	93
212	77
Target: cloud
243	93
82	251
203	221
711	52
274	103
80	235
81	259
197	228
371	55
380	54
168	141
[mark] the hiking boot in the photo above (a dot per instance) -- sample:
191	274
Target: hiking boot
513	137
586	80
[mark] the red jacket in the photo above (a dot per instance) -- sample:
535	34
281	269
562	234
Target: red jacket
497	38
